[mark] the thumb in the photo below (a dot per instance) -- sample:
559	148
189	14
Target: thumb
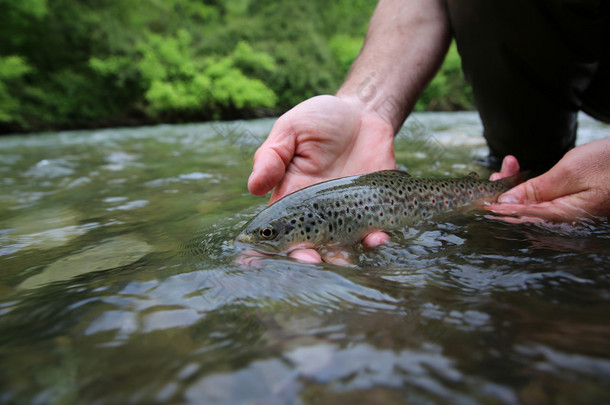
270	162
267	171
546	187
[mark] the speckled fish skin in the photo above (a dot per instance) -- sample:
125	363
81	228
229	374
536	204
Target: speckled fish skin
343	211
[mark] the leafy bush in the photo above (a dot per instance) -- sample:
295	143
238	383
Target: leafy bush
12	70
78	63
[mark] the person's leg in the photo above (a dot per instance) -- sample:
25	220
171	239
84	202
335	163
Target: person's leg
529	63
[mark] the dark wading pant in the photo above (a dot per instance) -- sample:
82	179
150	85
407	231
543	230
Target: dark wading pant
532	65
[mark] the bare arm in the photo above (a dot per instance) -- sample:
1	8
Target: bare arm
405	44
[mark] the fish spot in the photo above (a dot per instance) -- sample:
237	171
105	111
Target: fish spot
294	221
340	221
359	216
381	214
315	205
337	204
404	213
349	229
301	219
330	227
307	229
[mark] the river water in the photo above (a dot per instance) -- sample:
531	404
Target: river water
119	284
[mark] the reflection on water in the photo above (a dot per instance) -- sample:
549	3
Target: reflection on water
119	285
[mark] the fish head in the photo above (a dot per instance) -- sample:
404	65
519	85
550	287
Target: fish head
271	233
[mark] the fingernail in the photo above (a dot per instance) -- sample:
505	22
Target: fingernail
507	199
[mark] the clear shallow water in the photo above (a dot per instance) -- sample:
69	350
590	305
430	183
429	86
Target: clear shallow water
119	285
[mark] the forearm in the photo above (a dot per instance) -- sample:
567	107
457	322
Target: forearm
404	46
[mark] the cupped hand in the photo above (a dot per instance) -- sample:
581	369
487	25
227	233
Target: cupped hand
576	188
322	138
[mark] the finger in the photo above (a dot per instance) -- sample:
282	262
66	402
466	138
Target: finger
557	182
539	189
271	159
552	211
375	239
510	167
306	255
338	256
267	171
250	258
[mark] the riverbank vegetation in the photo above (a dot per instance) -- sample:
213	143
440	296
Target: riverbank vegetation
83	64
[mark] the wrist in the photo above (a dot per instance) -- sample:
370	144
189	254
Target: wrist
368	98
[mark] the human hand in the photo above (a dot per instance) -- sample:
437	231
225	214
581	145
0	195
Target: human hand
322	138
576	188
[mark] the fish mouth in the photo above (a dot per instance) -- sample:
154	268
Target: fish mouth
245	241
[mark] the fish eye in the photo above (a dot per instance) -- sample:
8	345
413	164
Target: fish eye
267	232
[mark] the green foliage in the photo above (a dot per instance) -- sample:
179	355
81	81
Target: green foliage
177	82
345	49
180	82
81	63
12	70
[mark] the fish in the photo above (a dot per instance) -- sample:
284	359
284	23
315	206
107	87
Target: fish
341	212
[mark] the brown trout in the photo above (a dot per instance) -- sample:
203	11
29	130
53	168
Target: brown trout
341	212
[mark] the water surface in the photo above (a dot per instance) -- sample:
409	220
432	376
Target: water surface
119	284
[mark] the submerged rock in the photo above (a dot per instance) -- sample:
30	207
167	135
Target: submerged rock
115	252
